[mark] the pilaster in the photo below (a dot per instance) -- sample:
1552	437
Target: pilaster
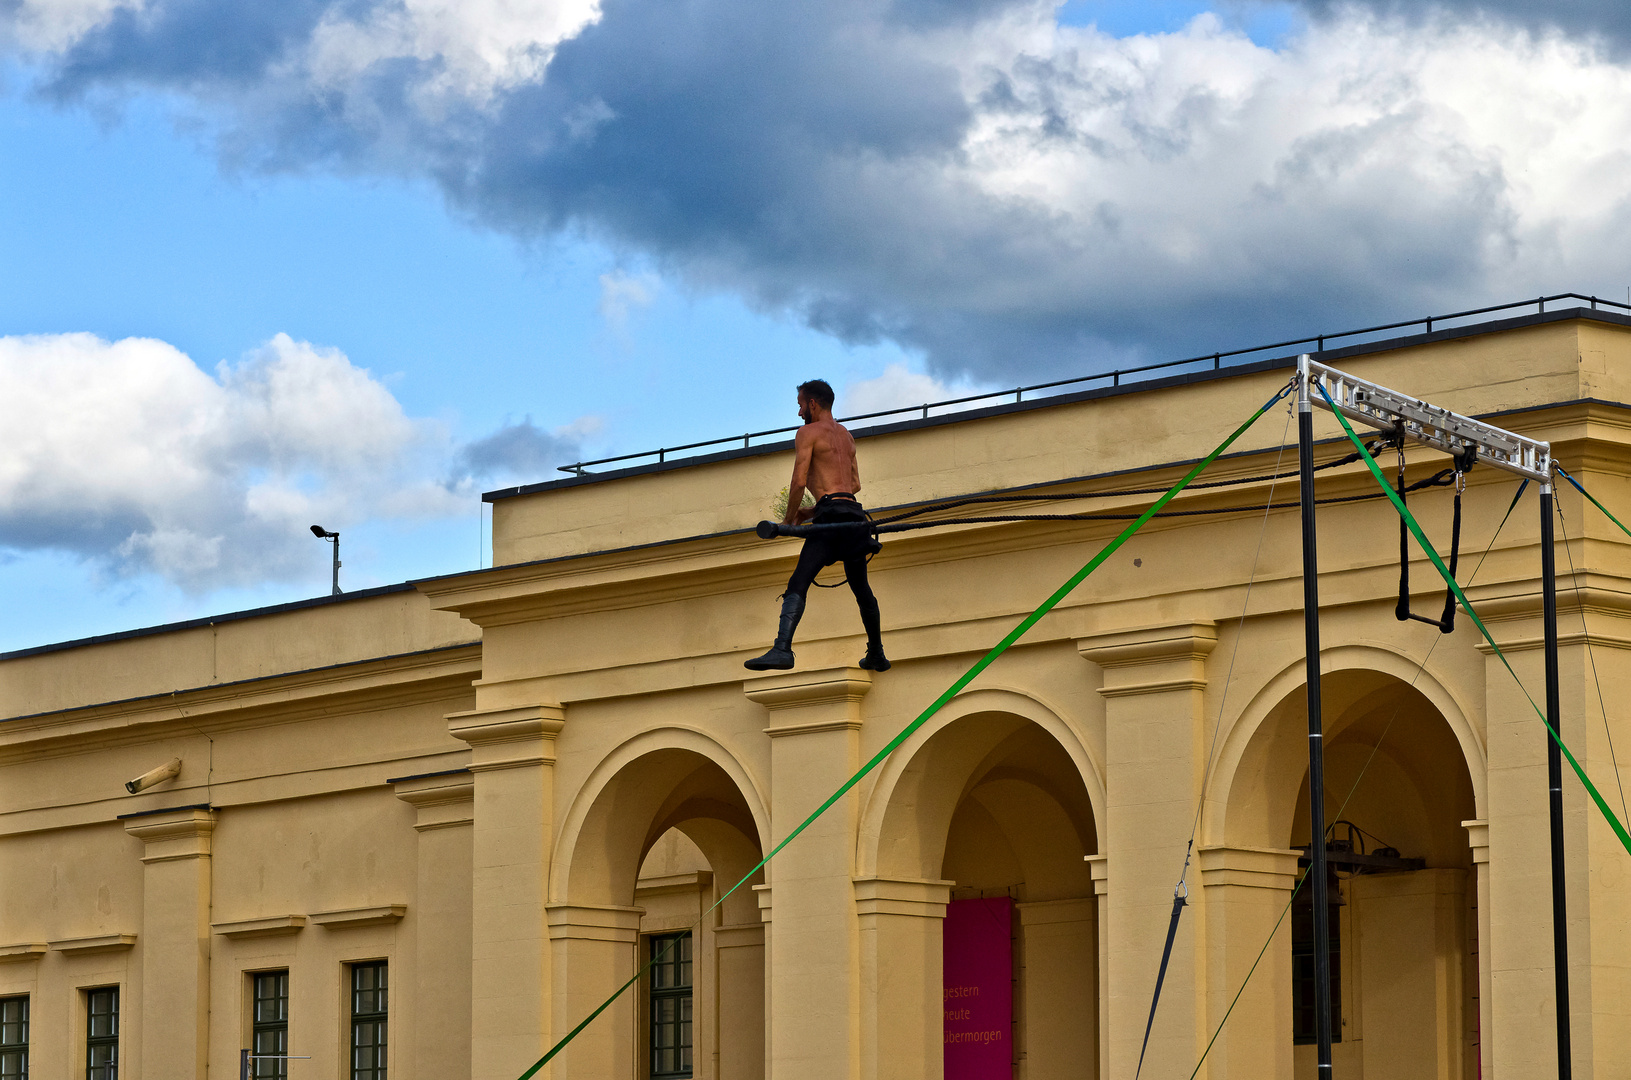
1058	941
813	720
595	950
512	766
1154	683
1478	840
175	937
1245	891
1098	868
444	805
1517	951
902	962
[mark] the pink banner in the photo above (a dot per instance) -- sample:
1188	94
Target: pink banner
979	989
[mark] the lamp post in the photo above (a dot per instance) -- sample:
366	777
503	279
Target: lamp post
333	538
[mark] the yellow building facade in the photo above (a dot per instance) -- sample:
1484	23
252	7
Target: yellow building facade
453	816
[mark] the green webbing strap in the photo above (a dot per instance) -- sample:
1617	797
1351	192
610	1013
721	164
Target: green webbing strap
1565	474
1415	529
952	691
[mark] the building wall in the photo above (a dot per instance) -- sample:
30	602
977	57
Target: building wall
503	782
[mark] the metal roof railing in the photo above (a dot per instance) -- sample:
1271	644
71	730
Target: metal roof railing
1112	378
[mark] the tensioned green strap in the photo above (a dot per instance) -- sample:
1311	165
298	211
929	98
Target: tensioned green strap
1565	474
1415	529
952	691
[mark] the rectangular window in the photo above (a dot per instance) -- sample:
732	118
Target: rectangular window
368	1021
102	1033
1302	963
670	1006
271	1025
14	1038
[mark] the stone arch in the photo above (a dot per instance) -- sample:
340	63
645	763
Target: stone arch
872	857
645	786
1282	693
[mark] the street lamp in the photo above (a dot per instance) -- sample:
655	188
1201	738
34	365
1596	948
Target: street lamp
333	538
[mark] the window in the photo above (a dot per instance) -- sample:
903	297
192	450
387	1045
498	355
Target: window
670	1006
102	1034
368	1021
14	1038
1302	963
270	1018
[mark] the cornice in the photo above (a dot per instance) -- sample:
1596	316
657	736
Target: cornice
167	837
509	738
1186	641
388	682
803	702
89	946
21	953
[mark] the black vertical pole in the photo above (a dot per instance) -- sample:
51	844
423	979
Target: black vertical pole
243	1065
1316	754
1554	780
336	591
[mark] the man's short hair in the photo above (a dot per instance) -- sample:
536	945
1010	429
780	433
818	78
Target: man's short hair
818	391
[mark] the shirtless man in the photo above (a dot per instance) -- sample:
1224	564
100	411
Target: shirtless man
824	464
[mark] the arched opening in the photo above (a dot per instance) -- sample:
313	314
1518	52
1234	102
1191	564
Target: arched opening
1402	889
994	807
663	835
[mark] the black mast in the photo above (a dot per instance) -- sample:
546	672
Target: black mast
1554	780
1316	754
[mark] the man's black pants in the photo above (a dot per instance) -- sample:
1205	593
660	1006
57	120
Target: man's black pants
848	546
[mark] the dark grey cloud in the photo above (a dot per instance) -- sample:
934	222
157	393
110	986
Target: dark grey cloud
958	176
518	450
1605	21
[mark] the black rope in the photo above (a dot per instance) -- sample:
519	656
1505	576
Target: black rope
968	500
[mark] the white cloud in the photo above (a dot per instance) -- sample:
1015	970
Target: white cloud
621	293
898	387
127	453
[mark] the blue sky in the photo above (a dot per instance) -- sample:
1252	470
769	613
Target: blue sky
491	247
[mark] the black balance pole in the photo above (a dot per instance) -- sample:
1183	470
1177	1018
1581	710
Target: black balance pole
1554	780
1316	753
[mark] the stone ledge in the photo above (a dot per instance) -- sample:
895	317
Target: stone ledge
267	927
86	946
28	950
347	918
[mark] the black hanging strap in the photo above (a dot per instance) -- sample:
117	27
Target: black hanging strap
1401	611
1180	897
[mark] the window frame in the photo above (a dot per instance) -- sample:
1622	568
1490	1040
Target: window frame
268	1069
661	989
380	1018
20	1049
109	1069
1302	954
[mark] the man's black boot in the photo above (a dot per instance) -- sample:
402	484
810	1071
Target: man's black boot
874	660
780	656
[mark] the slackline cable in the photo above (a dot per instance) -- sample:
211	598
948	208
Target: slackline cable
1353	789
1180	891
1438	564
950	692
1591	654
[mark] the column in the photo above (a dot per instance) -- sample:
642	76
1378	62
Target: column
595	949
445	806
175	938
814	725
1155	751
1245	891
1060	987
512	759
902	966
